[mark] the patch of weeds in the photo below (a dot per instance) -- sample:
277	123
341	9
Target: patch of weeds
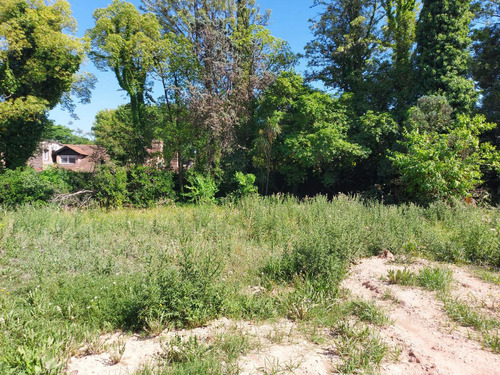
191	356
118	348
465	315
401	277
434	278
275	367
428	278
389	295
368	312
488	276
492	341
360	349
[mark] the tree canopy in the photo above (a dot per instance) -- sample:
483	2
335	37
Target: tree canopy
38	62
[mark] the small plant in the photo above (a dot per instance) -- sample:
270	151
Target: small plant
202	188
118	348
492	341
359	348
246	184
402	277
368	312
434	278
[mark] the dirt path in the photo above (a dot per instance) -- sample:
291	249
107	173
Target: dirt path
429	342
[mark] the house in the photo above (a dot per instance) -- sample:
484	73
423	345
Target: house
80	158
84	158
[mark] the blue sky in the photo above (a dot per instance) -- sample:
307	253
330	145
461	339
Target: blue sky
289	21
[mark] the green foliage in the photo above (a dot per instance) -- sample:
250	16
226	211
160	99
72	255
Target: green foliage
485	70
305	132
148	185
401	277
202	188
443	158
400	33
187	295
246	184
26	185
434	278
37	66
64	135
428	278
359	348
125	41
348	27
110	185
442	55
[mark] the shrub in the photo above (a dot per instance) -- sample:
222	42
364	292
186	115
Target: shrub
246	184
25	185
147	185
188	294
110	185
202	188
446	163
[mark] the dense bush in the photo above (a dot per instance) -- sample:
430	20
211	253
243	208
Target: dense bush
110	185
25	185
202	188
147	185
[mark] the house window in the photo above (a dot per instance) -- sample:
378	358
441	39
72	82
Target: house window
45	155
68	159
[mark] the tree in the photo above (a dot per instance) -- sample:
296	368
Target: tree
443	52
125	41
64	134
486	64
400	33
346	40
223	58
305	132
443	158
38	62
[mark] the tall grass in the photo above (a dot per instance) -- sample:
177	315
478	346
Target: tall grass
68	276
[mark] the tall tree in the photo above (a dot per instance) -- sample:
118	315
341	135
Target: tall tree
38	61
125	41
486	65
400	33
443	52
225	58
303	133
346	39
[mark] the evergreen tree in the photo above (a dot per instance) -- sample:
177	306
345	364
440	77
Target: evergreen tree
443	52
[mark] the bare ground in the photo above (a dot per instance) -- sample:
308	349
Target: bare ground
425	339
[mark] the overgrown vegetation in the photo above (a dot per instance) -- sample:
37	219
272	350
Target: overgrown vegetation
68	276
407	122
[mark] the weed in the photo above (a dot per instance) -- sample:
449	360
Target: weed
118	348
434	278
467	316
359	348
402	277
368	312
428	278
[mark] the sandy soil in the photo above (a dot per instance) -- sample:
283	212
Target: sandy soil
430	343
427	341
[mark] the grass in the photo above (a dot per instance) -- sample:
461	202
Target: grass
67	277
467	316
193	356
430	278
